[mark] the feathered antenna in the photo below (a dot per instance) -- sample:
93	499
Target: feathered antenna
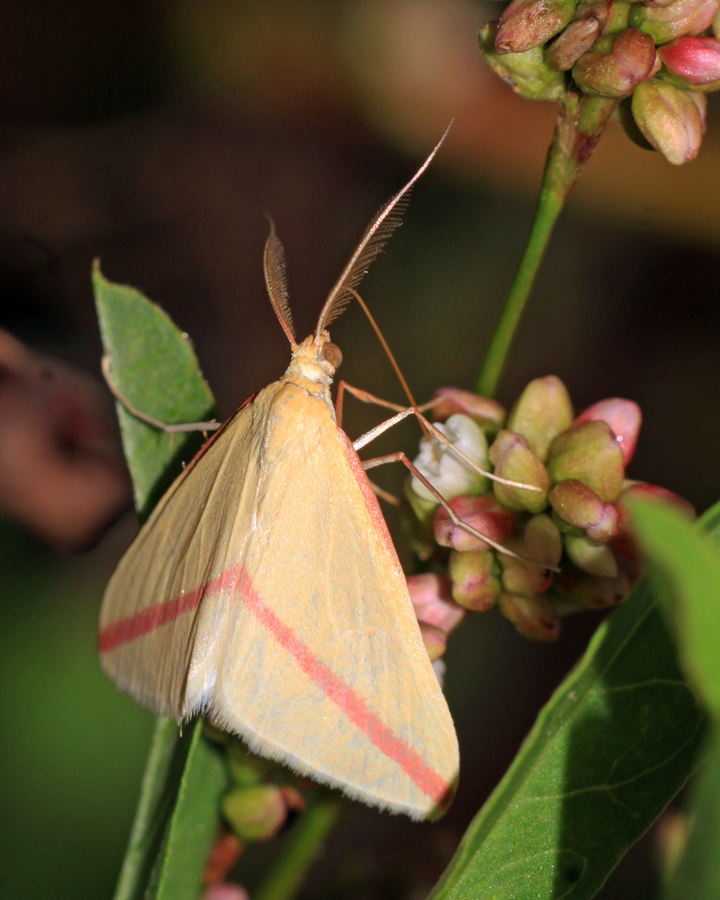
375	237
276	282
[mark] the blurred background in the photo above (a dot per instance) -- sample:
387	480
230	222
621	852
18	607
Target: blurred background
154	134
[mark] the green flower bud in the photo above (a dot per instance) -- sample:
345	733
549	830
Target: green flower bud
514	460
541	413
543	541
527	73
442	468
255	813
481	513
589	453
435	640
579	505
489	414
525	24
670	119
664	24
523	578
534	617
578	591
616	65
246	769
597	559
475	582
569	45
618	17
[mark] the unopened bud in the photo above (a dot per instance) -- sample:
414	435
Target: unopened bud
527	73
543	541
534	617
481	513
575	590
256	813
442	468
432	600
694	59
623	416
597	559
514	460
569	45
541	413
225	891
589	453
225	853
618	16
489	414
624	544
670	119
519	577
616	65
246	769
716	25
525	24
435	640
475	582
681	17
580	506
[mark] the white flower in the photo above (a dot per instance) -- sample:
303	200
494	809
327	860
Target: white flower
442	468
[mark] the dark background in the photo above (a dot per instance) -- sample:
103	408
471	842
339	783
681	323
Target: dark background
155	135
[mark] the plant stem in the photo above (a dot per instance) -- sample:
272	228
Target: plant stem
300	852
578	129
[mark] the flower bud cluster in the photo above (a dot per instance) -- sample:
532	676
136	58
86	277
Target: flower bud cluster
554	540
657	57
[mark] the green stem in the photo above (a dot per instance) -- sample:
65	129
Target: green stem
301	850
578	129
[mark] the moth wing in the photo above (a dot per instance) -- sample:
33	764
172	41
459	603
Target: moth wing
165	609
324	667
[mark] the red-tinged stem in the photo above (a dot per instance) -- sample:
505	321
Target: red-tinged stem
578	129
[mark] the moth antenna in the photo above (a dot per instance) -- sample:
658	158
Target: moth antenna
373	240
276	282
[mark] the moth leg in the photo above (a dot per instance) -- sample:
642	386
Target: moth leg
367	397
156	423
385	495
399	456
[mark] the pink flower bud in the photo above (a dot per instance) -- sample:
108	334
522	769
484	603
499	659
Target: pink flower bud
616	65
580	506
481	513
432	599
589	453
255	813
670	120
579	590
596	559
525	24
541	413
681	17
435	640
543	541
489	414
225	891
534	617
694	59
515	461
624	543
475	582
225	853
527	73
569	45
623	416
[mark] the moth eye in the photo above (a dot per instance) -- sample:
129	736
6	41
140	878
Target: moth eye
333	354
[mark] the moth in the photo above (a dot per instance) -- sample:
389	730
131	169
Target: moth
265	591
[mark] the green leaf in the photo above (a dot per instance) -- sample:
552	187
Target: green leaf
615	743
687	566
698	873
154	367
